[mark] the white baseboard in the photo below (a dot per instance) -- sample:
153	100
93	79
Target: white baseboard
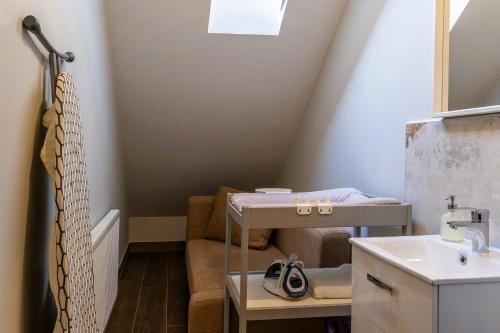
157	229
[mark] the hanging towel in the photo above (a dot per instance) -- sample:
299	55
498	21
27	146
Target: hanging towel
330	282
70	261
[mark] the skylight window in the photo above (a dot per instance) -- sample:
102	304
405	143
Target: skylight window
457	8
246	17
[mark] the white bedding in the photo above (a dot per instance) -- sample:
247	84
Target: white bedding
338	197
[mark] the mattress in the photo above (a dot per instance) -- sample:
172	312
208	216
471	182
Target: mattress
335	197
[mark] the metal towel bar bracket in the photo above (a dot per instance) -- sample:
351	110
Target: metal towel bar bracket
32	24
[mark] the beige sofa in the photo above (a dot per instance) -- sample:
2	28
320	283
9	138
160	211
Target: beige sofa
327	247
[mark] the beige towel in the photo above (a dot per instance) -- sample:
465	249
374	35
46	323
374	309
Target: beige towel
330	282
47	154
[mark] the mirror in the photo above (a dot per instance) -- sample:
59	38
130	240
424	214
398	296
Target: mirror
471	56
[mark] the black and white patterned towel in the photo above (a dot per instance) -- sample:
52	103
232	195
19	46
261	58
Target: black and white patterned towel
71	266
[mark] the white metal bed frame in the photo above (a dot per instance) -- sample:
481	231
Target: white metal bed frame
252	302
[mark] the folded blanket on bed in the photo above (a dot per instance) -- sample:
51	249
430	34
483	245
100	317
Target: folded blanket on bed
330	282
338	197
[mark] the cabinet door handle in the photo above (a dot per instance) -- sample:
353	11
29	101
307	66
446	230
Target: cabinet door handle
379	283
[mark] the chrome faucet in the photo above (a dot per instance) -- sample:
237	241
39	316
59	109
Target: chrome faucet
479	225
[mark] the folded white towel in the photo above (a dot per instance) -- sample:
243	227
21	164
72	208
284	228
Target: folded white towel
330	282
338	197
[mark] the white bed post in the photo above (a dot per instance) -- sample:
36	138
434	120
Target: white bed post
357	231
227	299
244	273
408	228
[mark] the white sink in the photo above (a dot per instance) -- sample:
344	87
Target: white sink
434	260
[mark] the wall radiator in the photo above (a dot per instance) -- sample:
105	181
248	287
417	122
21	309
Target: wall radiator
105	237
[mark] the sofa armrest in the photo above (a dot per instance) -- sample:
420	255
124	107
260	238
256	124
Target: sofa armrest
316	247
198	215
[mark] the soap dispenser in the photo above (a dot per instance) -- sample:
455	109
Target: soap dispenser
454	214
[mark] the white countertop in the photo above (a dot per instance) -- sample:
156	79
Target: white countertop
434	260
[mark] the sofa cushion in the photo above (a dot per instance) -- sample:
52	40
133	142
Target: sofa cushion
199	211
205	263
316	247
216	229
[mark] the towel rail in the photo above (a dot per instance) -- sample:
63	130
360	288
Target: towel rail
32	24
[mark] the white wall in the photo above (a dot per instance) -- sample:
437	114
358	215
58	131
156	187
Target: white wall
378	74
157	229
492	97
71	25
200	110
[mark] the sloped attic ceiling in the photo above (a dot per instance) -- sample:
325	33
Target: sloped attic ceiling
199	110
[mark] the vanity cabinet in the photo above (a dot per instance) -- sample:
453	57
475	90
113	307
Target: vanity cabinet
391	299
361	323
387	299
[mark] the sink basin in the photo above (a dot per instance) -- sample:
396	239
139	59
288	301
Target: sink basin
434	260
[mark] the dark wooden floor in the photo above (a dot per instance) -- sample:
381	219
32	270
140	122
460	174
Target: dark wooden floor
152	295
